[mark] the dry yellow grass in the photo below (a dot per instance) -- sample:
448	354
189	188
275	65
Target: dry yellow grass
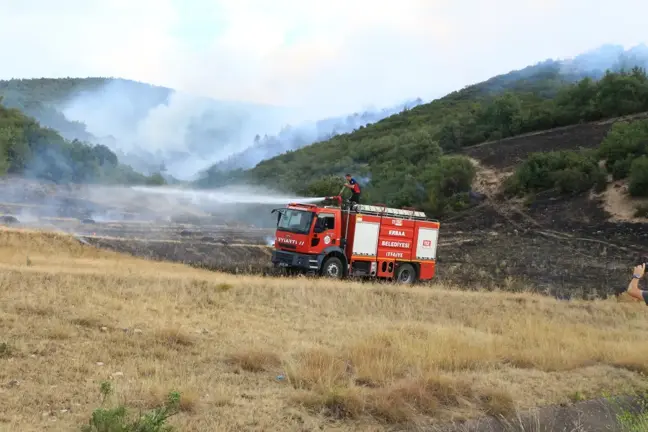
253	353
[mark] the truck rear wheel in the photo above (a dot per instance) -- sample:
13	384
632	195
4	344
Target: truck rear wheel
405	274
332	268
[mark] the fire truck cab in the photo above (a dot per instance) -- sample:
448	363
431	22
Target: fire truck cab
359	241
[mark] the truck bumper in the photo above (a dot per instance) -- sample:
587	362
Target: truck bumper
296	260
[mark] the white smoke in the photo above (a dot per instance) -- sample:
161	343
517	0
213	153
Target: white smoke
151	126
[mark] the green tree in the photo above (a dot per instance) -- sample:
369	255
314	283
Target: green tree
155	179
577	103
325	186
503	116
448	183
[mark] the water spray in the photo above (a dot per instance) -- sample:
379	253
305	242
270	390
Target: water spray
225	197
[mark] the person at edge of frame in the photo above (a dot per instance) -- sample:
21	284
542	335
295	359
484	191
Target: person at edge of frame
633	287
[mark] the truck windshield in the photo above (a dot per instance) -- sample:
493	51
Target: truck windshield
295	221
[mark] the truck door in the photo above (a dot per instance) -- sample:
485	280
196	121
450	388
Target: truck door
325	232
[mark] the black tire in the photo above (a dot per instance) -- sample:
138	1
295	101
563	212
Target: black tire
405	274
332	268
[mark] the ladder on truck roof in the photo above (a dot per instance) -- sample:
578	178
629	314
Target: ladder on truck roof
382	210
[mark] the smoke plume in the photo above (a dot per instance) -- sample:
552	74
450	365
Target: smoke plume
154	128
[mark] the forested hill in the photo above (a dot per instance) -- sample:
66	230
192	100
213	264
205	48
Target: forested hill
42	99
29	150
406	160
150	126
292	138
533	85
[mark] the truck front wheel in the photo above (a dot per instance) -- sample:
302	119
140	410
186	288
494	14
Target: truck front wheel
332	268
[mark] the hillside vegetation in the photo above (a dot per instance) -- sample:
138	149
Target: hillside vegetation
293	137
42	99
408	157
538	82
29	150
197	127
257	353
625	154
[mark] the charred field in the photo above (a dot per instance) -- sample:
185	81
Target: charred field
506	153
566	247
558	247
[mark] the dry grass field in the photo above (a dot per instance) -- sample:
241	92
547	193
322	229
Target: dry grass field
254	353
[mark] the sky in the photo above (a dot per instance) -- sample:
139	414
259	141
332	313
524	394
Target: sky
333	56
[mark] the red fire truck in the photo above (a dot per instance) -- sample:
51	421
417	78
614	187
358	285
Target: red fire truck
359	240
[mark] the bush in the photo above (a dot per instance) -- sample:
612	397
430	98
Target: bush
117	419
565	171
624	143
638	186
448	183
620	168
641	211
574	180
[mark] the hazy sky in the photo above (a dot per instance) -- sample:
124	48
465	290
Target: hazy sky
326	55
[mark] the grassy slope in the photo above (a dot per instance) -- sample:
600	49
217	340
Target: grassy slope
368	353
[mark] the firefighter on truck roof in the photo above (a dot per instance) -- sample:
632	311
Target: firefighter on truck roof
355	188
